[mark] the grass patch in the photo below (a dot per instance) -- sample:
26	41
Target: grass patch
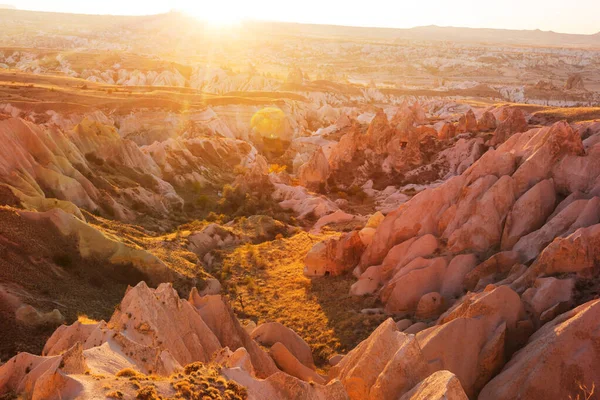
265	282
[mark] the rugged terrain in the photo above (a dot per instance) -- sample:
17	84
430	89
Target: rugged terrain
362	216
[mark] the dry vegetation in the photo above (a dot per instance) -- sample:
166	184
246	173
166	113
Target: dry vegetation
195	381
574	114
265	283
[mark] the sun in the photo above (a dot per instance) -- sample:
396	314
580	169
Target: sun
216	15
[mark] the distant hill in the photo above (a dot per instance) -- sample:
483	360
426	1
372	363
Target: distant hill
185	23
504	36
7	7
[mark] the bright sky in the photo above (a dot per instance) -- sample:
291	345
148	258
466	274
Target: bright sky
573	16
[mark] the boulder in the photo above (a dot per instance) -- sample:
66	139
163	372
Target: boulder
483	229
547	293
514	122
313	174
487	122
441	385
302	202
465	206
561	359
403	253
529	213
417	217
336	217
575	82
270	333
496	304
335	359
28	315
543	151
578	173
458	268
290	364
447	131
403	292
416	328
579	213
576	252
368	282
236	359
429	306
150	321
403	324
219	317
285	386
384	366
469	340
211	237
334	256
497	267
492	162
467	123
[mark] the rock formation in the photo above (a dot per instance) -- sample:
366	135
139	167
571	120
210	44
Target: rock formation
575	82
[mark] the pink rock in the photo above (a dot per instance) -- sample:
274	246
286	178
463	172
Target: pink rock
334	256
560	359
430	305
273	332
315	172
515	122
493	162
38	377
416	328
469	339
483	229
152	320
579	213
497	265
368	282
441	385
405	252
529	213
403	324
335	359
384	366
465	206
219	317
290	364
447	131
458	268
546	293
417	217
487	122
547	147
403	292
65	336
467	123
577	252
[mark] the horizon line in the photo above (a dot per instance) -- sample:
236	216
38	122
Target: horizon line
9	7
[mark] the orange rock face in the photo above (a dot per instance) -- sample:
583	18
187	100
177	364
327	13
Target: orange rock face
467	123
487	122
334	256
514	122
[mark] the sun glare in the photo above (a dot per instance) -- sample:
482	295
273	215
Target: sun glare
216	15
